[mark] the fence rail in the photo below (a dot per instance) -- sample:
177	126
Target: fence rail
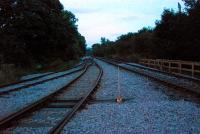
174	66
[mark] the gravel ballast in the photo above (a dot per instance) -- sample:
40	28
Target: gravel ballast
39	80
82	87
43	120
149	107
181	82
40	122
31	76
22	98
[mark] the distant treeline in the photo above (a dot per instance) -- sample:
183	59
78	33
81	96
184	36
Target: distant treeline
38	32
175	36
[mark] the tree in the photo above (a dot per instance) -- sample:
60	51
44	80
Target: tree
190	3
35	31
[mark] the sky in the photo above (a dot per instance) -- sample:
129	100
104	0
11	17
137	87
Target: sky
112	18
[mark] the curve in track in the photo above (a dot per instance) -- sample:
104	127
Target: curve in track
74	104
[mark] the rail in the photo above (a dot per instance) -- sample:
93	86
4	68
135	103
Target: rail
153	77
57	129
38	82
187	68
34	78
7	121
15	115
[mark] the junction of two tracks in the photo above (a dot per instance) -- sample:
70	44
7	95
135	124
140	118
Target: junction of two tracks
149	106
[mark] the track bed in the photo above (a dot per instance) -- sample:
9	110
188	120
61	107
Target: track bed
149	107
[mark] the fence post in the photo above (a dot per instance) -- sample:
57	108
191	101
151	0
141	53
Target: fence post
161	65
169	66
192	69
179	67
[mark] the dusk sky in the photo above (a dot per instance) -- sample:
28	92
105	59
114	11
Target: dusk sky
111	18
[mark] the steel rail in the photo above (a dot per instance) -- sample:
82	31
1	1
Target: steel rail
35	78
57	129
17	114
40	82
164	82
156	70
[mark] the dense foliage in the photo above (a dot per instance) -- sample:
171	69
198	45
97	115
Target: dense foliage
38	31
175	36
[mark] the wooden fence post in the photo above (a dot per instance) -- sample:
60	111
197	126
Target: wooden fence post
169	66
192	69
173	66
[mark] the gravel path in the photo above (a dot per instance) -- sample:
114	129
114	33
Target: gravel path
148	108
20	99
38	80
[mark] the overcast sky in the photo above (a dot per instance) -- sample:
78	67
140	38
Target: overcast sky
111	18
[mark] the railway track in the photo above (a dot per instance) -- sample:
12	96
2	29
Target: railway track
35	77
51	113
39	80
148	107
155	70
144	71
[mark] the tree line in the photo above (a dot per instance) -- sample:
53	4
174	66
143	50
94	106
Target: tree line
38	32
175	36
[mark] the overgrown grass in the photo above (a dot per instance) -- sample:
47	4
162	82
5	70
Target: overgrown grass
9	73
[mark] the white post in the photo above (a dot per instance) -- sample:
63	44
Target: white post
118	82
119	97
